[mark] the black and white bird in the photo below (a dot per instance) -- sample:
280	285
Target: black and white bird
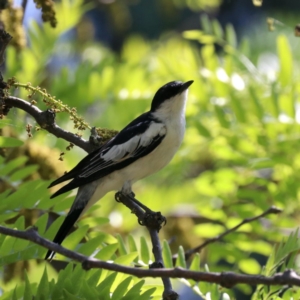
143	147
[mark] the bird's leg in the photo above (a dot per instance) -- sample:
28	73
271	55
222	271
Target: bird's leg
147	217
151	218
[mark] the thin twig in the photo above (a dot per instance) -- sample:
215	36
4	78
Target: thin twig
226	279
168	293
189	253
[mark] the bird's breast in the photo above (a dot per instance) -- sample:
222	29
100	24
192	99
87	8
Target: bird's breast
160	156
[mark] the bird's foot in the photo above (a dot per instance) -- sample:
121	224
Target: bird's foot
156	265
119	195
154	220
150	219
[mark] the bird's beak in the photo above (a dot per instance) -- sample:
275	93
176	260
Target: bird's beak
186	85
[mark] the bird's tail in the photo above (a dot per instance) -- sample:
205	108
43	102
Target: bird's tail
84	198
64	229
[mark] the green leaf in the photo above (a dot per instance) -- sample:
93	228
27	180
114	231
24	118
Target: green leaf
88	292
134	290
94	277
181	258
43	288
68	295
23	173
104	287
205	23
145	255
122	247
121	289
23	195
5	122
275	101
90	246
215	293
41	223
230	35
195	264
60	284
193	34
238	109
14	295
131	243
52	230
217	28
10	142
167	255
286	60
107	252
126	259
202	129
257	106
220	114
7	245
146	295
249	266
72	240
13	164
27	292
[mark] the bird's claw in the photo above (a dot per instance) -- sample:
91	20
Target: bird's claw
118	196
153	220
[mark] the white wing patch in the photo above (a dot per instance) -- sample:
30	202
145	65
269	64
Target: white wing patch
131	148
117	152
123	151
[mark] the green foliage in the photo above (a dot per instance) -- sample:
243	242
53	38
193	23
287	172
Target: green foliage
240	156
282	257
88	286
9	142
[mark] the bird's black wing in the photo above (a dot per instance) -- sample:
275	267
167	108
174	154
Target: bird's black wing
136	140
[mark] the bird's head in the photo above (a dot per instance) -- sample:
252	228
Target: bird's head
174	91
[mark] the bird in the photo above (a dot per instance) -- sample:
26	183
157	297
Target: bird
143	147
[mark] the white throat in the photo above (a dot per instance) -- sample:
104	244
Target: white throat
172	108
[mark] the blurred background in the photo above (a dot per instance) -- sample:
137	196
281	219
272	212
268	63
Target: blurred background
240	153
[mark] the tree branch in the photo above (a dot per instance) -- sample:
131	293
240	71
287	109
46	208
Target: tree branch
189	253
46	120
226	279
169	293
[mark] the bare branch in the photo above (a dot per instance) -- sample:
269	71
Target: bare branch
46	119
226	279
189	253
